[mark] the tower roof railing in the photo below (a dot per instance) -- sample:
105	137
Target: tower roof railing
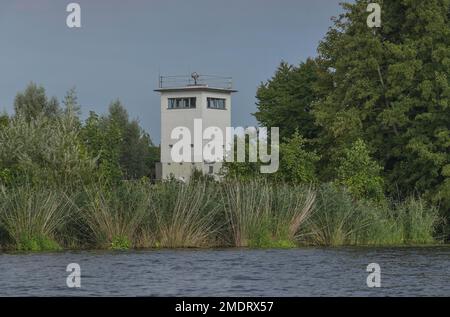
194	80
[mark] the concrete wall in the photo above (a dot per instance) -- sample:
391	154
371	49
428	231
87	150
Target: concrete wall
172	118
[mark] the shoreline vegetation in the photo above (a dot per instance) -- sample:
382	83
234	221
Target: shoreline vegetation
207	214
364	155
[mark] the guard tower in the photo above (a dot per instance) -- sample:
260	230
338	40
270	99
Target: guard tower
184	99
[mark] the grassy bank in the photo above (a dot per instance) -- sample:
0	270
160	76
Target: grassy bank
206	214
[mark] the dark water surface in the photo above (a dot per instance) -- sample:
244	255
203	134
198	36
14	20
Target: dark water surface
233	272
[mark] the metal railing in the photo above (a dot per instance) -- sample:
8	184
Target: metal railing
195	80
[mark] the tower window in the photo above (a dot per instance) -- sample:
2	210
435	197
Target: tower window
182	103
216	103
211	169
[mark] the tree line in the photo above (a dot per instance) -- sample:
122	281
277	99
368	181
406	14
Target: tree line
371	111
366	121
46	141
373	105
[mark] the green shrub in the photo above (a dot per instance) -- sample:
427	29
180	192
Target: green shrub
360	174
37	244
120	243
44	151
297	165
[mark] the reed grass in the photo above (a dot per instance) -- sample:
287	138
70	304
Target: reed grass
260	215
341	220
380	226
115	215
419	220
293	205
183	215
247	207
33	218
335	221
203	213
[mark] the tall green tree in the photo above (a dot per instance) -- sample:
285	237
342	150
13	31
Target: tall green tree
4	120
71	102
44	151
136	153
103	141
33	102
123	148
387	86
391	88
286	100
359	173
297	164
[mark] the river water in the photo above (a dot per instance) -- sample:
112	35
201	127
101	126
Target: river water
231	272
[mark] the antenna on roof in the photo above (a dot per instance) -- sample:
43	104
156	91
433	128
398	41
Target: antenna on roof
195	77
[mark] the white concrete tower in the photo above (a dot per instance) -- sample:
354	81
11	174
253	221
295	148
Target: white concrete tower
184	99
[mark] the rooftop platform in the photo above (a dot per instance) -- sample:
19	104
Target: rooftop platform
195	82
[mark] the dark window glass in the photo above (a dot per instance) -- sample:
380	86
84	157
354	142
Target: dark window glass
182	103
216	103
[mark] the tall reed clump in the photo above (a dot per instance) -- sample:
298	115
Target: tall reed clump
291	208
412	221
419	220
114	215
336	220
33	218
380	225
261	215
247	207
342	220
184	215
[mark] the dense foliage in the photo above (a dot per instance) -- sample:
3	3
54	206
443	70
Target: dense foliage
374	98
203	213
44	142
364	157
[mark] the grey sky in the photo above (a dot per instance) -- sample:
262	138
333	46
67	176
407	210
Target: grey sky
122	46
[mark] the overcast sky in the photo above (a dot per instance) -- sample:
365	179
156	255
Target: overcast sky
123	45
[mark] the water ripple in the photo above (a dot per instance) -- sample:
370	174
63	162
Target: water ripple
234	272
